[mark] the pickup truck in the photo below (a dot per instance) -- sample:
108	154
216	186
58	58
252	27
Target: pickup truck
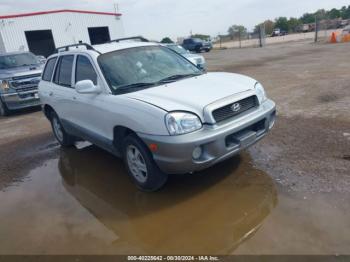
196	45
153	108
20	73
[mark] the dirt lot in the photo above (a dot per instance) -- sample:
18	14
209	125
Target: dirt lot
289	194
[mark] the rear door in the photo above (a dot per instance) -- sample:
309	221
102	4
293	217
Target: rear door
46	86
62	91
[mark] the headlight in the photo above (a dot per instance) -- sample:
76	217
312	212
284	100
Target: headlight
4	85
260	92
179	123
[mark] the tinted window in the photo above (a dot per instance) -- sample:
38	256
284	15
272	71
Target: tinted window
50	65
84	70
63	75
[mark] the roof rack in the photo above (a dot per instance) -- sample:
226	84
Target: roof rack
66	47
140	38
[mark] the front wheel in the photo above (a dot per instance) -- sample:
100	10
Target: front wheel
3	109
61	135
140	165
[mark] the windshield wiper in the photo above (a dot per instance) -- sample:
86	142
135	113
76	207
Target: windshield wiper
125	88
177	77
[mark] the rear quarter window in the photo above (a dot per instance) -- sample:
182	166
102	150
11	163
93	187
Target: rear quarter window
48	71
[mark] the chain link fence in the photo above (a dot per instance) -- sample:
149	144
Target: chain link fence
320	31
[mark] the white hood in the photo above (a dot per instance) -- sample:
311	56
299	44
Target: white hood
193	94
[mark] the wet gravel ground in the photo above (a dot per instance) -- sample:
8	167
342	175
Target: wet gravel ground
289	194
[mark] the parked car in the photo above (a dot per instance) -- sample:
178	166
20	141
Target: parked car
196	45
196	59
41	59
152	107
278	32
20	73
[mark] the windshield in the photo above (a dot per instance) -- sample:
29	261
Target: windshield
178	49
17	60
197	40
137	68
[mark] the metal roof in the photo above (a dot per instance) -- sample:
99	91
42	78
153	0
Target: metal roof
58	11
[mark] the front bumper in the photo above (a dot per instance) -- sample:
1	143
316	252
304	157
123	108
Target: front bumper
218	142
14	101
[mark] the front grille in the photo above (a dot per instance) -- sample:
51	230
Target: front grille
26	88
226	112
25	83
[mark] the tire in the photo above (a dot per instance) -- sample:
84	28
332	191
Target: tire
3	109
141	166
61	135
207	50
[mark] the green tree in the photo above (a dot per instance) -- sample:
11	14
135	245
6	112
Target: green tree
345	12
282	23
269	26
237	31
307	18
166	40
294	24
334	13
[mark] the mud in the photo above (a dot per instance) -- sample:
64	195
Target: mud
289	194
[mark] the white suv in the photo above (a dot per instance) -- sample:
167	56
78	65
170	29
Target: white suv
149	105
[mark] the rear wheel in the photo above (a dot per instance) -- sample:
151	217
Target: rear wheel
3	109
140	165
61	135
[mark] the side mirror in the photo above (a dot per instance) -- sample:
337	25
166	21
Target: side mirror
87	87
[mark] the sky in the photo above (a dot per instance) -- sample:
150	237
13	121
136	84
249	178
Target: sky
156	19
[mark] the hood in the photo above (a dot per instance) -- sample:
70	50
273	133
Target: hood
20	71
193	94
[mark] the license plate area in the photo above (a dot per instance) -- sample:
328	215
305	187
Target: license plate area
29	96
246	136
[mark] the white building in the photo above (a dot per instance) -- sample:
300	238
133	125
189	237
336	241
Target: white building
42	32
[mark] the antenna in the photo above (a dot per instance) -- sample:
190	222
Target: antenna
116	8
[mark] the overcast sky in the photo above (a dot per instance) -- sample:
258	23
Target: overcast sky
158	18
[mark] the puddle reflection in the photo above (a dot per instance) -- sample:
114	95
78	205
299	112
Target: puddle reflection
209	212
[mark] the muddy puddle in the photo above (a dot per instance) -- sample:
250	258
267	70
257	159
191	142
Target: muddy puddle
83	202
80	201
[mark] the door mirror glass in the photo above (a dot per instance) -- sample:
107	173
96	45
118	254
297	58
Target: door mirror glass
87	87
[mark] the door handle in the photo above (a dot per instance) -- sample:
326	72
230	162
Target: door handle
74	98
51	93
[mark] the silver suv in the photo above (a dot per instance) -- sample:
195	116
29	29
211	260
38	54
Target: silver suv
152	107
20	73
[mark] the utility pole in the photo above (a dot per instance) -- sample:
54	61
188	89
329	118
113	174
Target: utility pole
219	39
316	29
239	37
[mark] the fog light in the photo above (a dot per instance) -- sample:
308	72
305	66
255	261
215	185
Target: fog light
197	153
272	120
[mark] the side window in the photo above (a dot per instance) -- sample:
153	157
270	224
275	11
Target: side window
50	65
63	74
84	70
